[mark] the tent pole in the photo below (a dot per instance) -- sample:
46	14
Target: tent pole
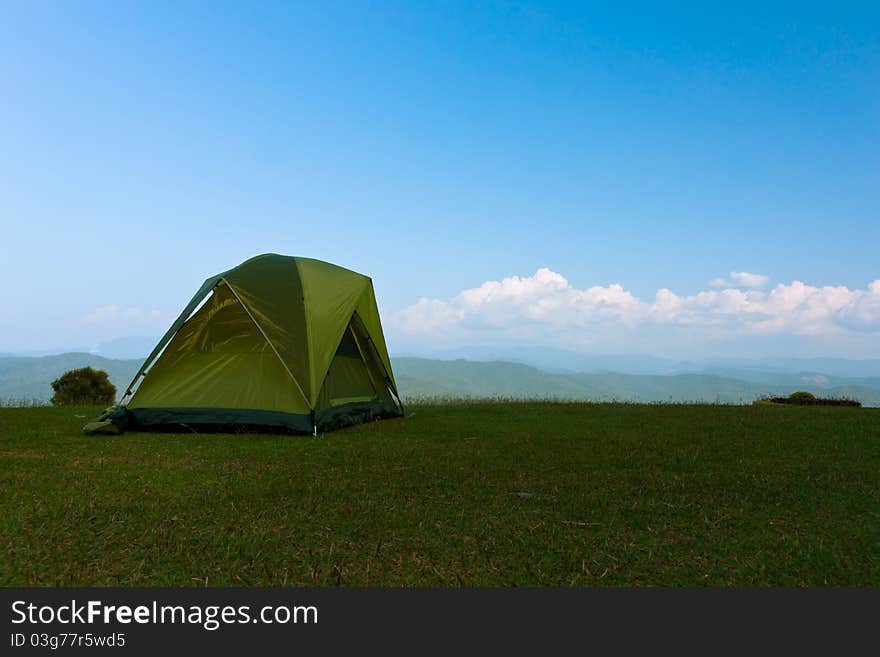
399	403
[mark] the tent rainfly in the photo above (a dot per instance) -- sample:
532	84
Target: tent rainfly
278	341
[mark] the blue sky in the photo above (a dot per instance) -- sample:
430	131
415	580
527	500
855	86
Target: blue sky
447	147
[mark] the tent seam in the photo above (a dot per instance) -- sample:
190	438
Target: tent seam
388	370
347	324
269	342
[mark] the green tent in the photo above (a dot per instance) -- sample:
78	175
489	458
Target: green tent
277	341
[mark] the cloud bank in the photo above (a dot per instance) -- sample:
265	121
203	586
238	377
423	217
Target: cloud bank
741	279
545	308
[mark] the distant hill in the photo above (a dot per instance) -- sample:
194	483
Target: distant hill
816	379
562	360
29	378
830	366
419	376
25	378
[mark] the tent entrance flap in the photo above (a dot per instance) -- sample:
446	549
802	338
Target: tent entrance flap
382	377
349	378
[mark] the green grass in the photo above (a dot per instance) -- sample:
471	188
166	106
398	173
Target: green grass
457	494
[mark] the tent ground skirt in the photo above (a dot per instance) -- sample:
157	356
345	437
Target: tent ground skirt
238	420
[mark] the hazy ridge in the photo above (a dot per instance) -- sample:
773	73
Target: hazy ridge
418	376
29	378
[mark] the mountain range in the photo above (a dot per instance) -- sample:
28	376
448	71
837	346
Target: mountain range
424	377
29	379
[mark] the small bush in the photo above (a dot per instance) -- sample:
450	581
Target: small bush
83	386
810	400
802	394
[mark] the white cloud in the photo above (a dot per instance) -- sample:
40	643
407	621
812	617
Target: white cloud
103	313
427	316
545	307
863	313
741	279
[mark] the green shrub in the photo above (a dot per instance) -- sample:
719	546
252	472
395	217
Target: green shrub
83	386
806	399
802	394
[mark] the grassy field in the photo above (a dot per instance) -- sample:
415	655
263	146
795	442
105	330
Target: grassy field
458	494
